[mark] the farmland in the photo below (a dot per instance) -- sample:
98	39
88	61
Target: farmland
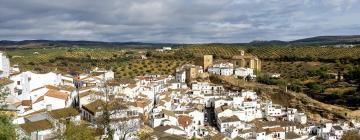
304	68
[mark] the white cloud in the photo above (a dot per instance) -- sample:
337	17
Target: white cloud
184	21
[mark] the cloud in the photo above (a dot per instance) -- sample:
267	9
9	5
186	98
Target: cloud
185	21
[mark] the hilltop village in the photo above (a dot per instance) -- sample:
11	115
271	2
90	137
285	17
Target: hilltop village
174	106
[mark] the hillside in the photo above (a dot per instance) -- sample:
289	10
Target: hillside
351	39
319	40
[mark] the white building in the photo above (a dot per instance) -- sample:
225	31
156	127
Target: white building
180	76
4	65
26	82
244	72
222	69
166	48
273	110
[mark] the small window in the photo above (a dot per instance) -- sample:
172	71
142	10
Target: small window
18	82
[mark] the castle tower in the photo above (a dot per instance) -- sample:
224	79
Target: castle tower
205	61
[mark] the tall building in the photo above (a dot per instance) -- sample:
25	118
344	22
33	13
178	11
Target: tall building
205	61
4	65
246	61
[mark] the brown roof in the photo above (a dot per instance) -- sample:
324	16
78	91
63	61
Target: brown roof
221	108
36	126
94	107
63	113
56	94
26	103
275	129
98	105
184	120
86	93
141	103
229	119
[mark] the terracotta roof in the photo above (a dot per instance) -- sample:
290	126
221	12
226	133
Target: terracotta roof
26	103
184	120
275	129
229	119
63	113
94	107
141	103
56	94
36	126
83	94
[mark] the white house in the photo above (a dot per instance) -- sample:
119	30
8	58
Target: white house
227	122
180	76
273	110
222	69
25	82
244	72
37	130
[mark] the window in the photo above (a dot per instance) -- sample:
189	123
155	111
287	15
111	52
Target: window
18	82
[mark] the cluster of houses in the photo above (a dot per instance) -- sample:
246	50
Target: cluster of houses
170	106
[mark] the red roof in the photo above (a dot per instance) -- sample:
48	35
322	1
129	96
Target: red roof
184	121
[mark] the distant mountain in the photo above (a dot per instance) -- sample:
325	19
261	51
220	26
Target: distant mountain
271	42
351	39
66	43
319	40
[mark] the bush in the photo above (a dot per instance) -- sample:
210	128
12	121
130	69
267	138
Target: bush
266	79
315	86
295	87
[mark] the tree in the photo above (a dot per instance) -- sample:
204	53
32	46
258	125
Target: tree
144	136
104	120
4	92
127	127
7	129
78	132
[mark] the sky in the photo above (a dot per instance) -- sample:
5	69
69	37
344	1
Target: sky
177	21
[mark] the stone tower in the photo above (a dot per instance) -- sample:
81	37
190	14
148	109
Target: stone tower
205	61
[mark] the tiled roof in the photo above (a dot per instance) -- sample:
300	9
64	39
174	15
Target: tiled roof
94	107
184	120
63	113
56	94
275	129
26	103
229	119
36	126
